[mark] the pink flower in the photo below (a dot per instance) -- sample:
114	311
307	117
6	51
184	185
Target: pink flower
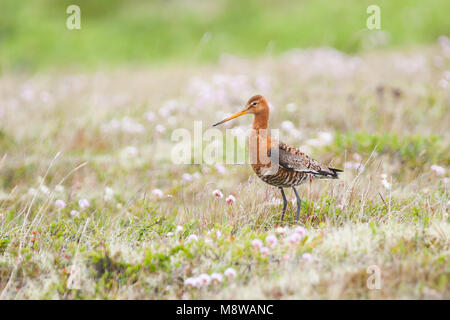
218	194
264	250
158	193
190	282
300	230
438	170
286	257
257	243
307	256
216	277
271	240
230	273
75	213
60	204
84	203
230	199
220	168
294	238
205	279
192	238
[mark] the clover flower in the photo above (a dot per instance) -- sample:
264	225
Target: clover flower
230	199
60	204
230	273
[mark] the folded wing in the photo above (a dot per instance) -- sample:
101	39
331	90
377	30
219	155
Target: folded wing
293	159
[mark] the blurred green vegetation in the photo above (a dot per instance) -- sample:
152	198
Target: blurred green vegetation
33	34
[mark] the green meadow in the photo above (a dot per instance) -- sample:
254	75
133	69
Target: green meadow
93	205
33	33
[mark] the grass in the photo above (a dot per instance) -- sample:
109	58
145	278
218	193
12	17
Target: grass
33	35
88	132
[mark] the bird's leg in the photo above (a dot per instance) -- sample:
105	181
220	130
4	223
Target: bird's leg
299	202
284	204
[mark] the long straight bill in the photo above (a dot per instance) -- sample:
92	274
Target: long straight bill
240	113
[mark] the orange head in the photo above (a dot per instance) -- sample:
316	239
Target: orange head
257	105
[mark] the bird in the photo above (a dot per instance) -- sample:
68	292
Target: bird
277	163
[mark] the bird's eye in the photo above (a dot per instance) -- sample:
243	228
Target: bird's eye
254	104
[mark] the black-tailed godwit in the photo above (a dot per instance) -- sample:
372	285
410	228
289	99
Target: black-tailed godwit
282	166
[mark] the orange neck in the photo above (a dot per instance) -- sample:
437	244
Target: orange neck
261	120
260	137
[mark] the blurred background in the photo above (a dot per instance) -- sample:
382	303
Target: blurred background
88	181
33	34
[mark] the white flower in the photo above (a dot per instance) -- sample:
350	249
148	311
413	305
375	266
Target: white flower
60	204
192	238
307	256
59	188
230	273
216	277
325	138
190	282
264	250
205	279
179	228
287	125
169	234
160	129
150	116
44	189
109	194
257	243
131	126
438	170
75	214
158	193
187	177
386	184
280	230
84	203
230	199
271	240
217	194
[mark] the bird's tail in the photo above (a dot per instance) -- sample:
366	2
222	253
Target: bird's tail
335	174
331	173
